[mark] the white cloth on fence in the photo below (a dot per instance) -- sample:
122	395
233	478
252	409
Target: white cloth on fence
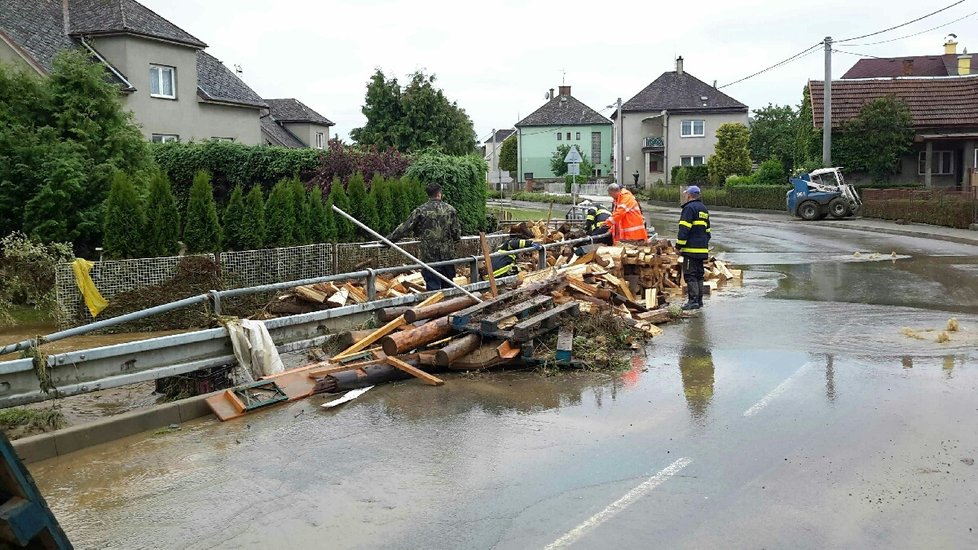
254	350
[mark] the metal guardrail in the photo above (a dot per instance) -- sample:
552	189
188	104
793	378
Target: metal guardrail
83	371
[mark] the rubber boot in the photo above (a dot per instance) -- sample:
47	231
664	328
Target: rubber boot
699	293
692	291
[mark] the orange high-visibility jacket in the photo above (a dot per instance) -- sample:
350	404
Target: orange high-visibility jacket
627	222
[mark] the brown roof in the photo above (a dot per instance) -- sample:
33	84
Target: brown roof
915	65
933	102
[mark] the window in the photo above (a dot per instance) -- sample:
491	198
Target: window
162	82
560	136
165	138
693	128
568	136
595	147
577	136
692	161
320	140
942	163
596	172
654	165
222	138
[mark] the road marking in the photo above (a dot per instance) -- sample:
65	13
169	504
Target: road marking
773	394
617	506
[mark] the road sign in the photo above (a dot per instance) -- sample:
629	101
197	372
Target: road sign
573	169
573	156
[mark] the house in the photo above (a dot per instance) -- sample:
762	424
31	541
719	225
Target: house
175	90
943	104
563	120
672	122
289	122
948	64
490	152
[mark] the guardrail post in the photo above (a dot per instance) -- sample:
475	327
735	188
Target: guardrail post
215	301
474	270
371	284
542	264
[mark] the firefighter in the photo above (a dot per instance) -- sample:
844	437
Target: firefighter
627	222
693	242
595	222
503	266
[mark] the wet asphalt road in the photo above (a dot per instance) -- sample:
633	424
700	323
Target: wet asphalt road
793	413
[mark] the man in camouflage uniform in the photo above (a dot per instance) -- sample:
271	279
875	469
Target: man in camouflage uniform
435	223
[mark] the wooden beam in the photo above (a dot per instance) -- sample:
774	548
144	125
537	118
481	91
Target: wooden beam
384	330
485	254
437	310
415	372
407	340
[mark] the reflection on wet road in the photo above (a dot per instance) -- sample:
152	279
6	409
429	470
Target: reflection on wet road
793	412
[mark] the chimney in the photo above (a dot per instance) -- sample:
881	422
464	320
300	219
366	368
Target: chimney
951	46
908	67
964	63
565	90
679	65
552	93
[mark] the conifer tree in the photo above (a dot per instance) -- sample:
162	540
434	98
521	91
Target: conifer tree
318	230
234	216
203	230
124	220
345	230
301	233
162	218
280	216
380	190
253	224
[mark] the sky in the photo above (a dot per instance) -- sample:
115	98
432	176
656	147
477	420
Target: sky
498	59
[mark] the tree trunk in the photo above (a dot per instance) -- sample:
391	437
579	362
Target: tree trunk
440	309
457	348
408	340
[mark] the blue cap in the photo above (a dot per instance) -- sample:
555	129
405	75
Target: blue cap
693	190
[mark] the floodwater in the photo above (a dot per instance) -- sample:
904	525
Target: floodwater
795	411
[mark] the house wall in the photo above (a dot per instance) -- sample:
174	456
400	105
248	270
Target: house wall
10	56
639	125
540	142
306	132
186	115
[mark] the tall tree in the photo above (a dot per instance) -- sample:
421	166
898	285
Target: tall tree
203	230
416	117
316	212
162	217
874	140
808	139
280	217
234	216
362	207
253	224
559	167
380	190
772	135
508	154
345	230
301	233
731	156
124	219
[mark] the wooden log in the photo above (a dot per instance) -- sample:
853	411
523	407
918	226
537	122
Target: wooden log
401	342
415	371
339	299
440	309
655	316
390	313
310	294
386	329
457	348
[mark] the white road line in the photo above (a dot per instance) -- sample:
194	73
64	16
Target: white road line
617	506
773	394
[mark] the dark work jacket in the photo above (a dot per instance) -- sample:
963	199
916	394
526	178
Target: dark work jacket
694	230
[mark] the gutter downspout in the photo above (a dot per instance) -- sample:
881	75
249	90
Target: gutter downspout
665	145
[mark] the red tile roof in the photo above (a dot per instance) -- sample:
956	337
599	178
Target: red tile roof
916	65
933	102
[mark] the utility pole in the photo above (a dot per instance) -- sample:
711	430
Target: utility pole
493	163
621	145
827	106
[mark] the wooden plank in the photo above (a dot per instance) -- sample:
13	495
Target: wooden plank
339	299
429	379
651	298
384	330
485	255
565	343
525	330
462	318
310	294
506	350
655	316
491	321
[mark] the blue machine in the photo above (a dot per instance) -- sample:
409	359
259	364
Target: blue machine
822	193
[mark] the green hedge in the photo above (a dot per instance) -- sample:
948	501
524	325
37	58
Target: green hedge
763	197
463	183
690	175
949	212
543	197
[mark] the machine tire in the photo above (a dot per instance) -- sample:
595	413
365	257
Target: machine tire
839	209
808	211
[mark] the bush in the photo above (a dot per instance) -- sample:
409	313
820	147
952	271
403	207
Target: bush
495	195
253	225
345	230
734	181
770	172
234	215
203	230
945	211
362	206
280	217
342	162
542	197
463	184
125	220
663	194
162	218
301	229
731	156
27	272
763	197
380	192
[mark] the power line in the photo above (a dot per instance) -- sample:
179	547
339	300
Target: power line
795	57
914	34
903	24
834	50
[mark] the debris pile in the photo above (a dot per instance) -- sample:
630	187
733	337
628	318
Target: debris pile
623	290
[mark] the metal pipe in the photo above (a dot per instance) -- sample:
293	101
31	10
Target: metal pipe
384	240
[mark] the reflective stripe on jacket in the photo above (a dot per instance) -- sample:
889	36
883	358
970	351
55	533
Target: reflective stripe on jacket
594	222
694	230
503	264
627	222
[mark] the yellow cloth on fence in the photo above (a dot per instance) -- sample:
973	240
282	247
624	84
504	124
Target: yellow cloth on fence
93	298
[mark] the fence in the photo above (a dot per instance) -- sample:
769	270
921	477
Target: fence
579	188
936	206
241	269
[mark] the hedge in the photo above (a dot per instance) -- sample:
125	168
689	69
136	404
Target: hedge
463	184
763	197
949	212
689	175
543	197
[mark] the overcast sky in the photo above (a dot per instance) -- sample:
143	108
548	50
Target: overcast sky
497	59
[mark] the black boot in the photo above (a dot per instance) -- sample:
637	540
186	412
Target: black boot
692	291
699	293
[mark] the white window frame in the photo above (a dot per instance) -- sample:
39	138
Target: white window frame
217	138
577	136
690	160
692	128
159	83
320	140
560	136
164	138
938	159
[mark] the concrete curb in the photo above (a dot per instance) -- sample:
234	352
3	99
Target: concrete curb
68	440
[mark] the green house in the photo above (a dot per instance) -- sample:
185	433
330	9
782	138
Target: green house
563	120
